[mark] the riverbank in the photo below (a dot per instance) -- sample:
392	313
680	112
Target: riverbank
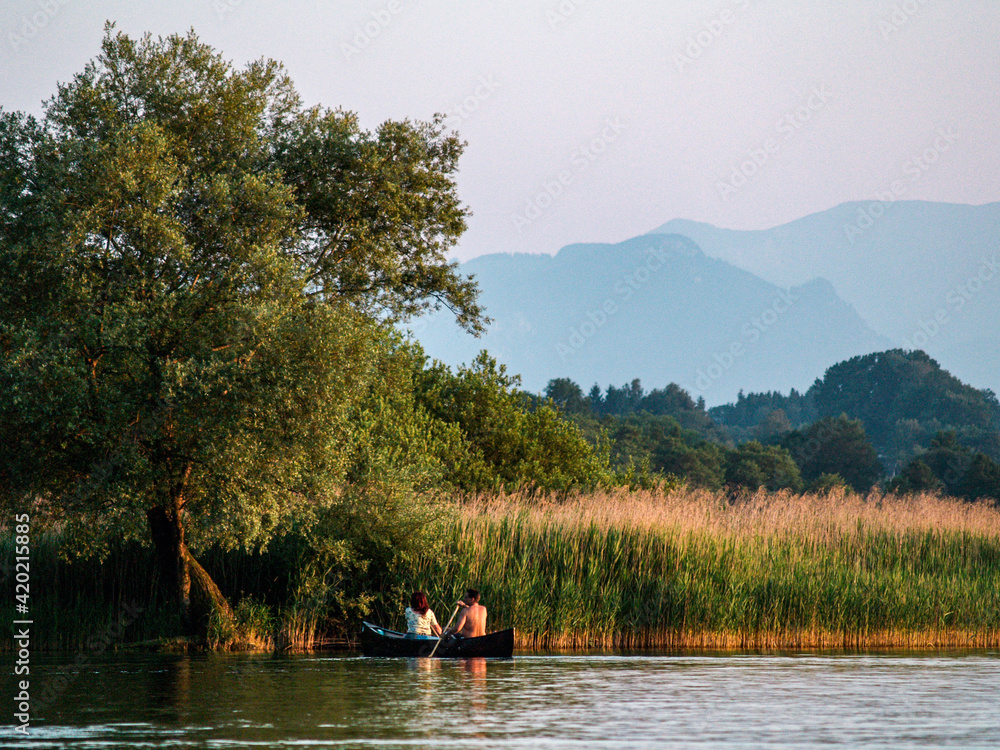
676	570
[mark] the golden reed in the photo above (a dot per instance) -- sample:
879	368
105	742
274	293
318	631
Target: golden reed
693	569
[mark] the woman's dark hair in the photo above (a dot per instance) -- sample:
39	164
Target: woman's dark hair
418	603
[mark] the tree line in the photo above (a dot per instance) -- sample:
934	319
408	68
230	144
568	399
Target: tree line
893	417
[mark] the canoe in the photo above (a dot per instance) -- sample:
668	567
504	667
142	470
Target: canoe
377	641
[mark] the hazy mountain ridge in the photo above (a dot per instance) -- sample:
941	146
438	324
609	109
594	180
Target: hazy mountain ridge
926	275
654	307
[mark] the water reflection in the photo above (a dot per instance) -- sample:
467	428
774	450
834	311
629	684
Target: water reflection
168	690
425	680
559	701
475	669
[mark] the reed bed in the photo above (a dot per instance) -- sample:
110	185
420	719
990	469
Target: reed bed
691	569
679	569
90	605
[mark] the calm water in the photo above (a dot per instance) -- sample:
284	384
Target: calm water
708	701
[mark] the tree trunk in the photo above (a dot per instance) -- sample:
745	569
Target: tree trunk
184	578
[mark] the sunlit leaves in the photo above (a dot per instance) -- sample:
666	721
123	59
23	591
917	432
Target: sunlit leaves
196	274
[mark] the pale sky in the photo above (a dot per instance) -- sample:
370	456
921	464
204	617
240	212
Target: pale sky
592	120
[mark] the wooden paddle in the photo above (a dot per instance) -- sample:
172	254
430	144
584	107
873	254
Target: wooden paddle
440	637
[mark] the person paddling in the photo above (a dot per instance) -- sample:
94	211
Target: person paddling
472	622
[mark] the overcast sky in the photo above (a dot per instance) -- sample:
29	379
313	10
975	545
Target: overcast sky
596	120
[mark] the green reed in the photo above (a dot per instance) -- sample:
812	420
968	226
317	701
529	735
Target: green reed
95	604
564	581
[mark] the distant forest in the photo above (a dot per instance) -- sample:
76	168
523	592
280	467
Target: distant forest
894	417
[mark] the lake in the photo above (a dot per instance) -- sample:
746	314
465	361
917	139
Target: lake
545	701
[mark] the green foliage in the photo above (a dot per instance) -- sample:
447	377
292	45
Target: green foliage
881	389
197	281
948	459
610	579
348	558
665	433
503	443
253	625
699	463
948	466
381	210
672	401
753	465
905	401
902	398
824	484
747	418
982	480
620	401
190	263
646	447
662	436
917	476
626	584
567	396
635	436
835	446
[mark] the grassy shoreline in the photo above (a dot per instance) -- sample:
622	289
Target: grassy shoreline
679	570
692	570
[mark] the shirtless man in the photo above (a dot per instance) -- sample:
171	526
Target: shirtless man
472	622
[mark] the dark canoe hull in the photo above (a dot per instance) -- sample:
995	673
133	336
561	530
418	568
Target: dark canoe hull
376	641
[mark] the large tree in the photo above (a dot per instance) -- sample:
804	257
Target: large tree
753	465
195	271
835	446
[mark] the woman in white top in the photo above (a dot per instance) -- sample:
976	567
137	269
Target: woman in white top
420	619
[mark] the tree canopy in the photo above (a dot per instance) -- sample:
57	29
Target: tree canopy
835	446
196	274
903	399
950	467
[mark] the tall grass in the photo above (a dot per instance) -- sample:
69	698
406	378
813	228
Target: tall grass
692	569
629	569
94	604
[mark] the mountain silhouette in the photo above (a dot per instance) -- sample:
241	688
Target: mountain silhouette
657	308
925	275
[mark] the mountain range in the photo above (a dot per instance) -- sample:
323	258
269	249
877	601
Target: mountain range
925	275
718	311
